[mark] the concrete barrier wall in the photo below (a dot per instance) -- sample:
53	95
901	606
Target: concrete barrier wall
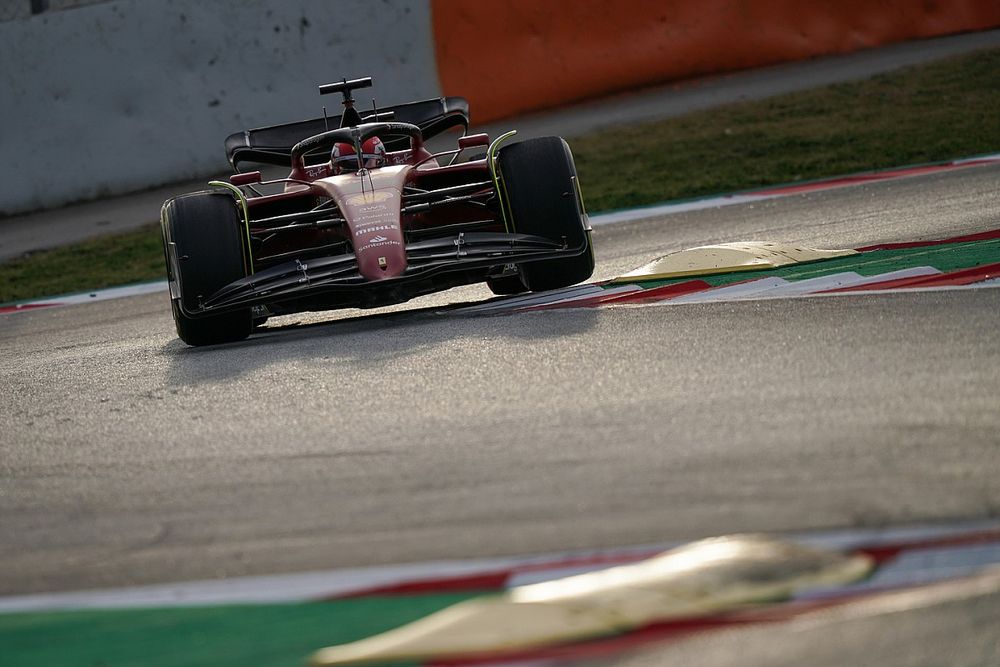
521	55
119	96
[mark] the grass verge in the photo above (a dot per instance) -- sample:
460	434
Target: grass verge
106	261
234	635
927	113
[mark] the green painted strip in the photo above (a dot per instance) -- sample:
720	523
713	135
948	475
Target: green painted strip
236	635
948	257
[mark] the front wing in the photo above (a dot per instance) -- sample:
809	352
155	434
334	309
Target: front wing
338	274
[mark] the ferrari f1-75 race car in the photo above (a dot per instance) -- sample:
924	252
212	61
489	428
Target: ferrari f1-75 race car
368	216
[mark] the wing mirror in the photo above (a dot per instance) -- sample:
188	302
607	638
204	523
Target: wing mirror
247	178
470	140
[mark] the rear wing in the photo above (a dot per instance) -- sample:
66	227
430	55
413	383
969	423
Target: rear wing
273	145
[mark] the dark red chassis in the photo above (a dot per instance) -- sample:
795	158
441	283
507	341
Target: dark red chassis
511	216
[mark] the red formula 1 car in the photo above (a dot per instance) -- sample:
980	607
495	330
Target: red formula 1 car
368	216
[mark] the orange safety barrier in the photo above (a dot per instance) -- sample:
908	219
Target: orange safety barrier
519	55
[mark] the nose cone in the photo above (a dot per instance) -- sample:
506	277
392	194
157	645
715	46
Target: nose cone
370	205
379	248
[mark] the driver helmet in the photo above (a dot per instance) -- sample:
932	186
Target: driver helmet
344	160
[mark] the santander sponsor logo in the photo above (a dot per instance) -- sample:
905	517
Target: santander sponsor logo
378	242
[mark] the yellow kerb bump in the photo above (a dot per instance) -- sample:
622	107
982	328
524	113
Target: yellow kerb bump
728	258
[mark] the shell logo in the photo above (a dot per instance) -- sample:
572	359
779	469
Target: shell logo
368	198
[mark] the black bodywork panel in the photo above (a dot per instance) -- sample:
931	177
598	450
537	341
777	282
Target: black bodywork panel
334	282
273	145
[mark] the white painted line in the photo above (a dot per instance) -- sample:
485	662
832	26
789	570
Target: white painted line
657	210
779	288
810	285
257	589
521	569
913	272
982	159
820	295
96	295
531	299
731	292
922	567
645	212
983	582
841	280
115	292
987	284
611	291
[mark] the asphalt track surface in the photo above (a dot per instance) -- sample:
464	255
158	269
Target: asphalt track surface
411	434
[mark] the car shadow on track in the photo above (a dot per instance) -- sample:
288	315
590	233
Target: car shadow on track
365	342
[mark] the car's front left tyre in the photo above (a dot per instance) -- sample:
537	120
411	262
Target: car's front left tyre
206	230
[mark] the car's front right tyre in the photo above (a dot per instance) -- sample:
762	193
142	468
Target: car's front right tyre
206	230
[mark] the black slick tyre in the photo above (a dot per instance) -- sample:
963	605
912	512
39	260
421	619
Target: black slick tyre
543	199
206	231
